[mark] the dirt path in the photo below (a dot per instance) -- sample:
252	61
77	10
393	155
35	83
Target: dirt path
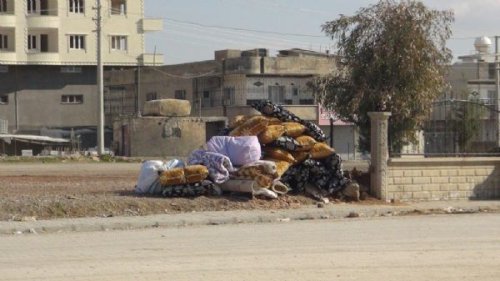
464	247
65	190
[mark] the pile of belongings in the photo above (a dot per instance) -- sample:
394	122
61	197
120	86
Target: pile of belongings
269	155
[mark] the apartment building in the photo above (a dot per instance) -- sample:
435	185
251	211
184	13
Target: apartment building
48	58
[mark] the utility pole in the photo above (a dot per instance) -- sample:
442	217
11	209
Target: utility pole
497	100
100	85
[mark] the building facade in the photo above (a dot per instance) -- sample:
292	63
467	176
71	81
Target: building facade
48	58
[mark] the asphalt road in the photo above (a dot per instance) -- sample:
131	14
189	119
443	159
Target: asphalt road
458	247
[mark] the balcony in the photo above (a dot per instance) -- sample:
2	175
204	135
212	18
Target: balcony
151	59
152	25
39	21
8	57
7	20
43	58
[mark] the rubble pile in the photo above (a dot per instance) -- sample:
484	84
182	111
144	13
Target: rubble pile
269	155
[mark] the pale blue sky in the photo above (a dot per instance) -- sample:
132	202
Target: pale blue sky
182	40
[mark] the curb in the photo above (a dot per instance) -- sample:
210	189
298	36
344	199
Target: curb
326	212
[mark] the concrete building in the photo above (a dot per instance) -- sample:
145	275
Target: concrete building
473	80
228	84
48	61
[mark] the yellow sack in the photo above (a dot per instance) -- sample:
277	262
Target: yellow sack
321	150
172	177
281	166
294	129
306	143
252	127
279	154
195	173
271	133
300	156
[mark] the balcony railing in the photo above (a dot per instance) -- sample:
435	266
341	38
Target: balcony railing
152	25
43	57
8	56
152	59
7	20
40	21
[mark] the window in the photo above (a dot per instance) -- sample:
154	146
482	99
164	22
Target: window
490	100
4	42
206	100
118	7
295	91
32	40
77	42
276	94
151	96
71	69
76	6
4	99
180	94
228	98
31	6
306	101
252	101
119	43
3	6
72	99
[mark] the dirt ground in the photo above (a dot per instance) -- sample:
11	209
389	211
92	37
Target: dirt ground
30	191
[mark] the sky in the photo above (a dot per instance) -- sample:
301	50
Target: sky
194	29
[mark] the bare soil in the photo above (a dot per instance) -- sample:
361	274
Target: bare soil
31	191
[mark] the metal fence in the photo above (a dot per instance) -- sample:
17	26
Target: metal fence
457	128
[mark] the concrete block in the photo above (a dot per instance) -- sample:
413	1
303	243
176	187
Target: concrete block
448	172
466	172
396	173
448	187
431	173
439	195
421	180
406	180
412	173
465	187
395	188
401	195
431	187
483	172
458	179
412	188
423	195
440	179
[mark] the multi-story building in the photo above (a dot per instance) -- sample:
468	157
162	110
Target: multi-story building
48	58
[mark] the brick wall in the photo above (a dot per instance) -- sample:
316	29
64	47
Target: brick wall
443	178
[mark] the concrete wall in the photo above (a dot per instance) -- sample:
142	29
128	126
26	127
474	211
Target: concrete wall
299	65
163	136
39	91
443	178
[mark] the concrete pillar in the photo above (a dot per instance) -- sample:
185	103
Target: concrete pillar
379	153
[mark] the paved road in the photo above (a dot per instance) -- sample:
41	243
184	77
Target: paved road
459	247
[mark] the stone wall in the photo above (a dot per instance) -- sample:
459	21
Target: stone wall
443	178
164	136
